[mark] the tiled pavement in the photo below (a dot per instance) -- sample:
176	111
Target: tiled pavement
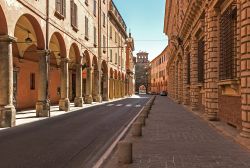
176	138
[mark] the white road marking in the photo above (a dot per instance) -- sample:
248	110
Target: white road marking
110	104
128	105
138	105
118	105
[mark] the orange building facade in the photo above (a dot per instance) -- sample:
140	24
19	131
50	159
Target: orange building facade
60	52
159	75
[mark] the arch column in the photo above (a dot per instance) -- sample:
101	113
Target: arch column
245	75
43	105
111	86
194	75
185	78
96	88
211	60
7	109
105	88
88	98
79	99
64	103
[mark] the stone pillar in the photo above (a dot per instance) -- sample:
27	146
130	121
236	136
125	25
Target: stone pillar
212	44
185	78
115	88
111	88
64	103
245	73
96	88
180	82
78	99
42	105
7	109
105	96
194	75
89	79
176	81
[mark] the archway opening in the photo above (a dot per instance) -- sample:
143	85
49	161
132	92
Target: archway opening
86	64
104	81
57	52
27	52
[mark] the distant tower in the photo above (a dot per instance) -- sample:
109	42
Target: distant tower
141	70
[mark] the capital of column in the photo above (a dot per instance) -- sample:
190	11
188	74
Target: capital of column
7	38
65	60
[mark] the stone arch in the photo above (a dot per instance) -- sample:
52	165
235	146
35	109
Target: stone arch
111	73
57	49
3	23
74	61
86	59
27	52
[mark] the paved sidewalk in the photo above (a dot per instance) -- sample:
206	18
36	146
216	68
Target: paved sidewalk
176	138
28	116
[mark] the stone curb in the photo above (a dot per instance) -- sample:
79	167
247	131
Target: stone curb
108	152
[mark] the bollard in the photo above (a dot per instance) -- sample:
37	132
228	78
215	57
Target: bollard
145	113
141	120
137	129
125	152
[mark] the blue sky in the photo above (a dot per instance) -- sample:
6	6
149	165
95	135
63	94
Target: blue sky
145	19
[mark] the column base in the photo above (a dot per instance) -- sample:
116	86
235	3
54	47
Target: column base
64	104
245	132
42	109
88	99
7	116
105	99
78	102
212	116
194	108
97	98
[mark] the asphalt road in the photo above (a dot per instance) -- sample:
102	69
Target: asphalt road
73	140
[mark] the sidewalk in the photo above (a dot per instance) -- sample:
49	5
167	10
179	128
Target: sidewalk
28	116
176	138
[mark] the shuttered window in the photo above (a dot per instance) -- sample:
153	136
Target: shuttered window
61	7
73	9
201	54
94	10
95	41
86	28
228	44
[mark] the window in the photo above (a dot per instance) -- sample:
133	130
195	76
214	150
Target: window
116	57
201	53
115	37
111	32
61	7
86	28
94	10
228	44
87	2
104	1
104	19
104	44
111	55
32	81
95	42
188	69
73	8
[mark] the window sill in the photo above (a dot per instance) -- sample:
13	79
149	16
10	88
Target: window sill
59	15
229	87
75	28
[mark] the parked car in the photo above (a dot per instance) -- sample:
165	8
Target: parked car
164	93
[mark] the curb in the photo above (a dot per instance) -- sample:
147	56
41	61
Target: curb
102	159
